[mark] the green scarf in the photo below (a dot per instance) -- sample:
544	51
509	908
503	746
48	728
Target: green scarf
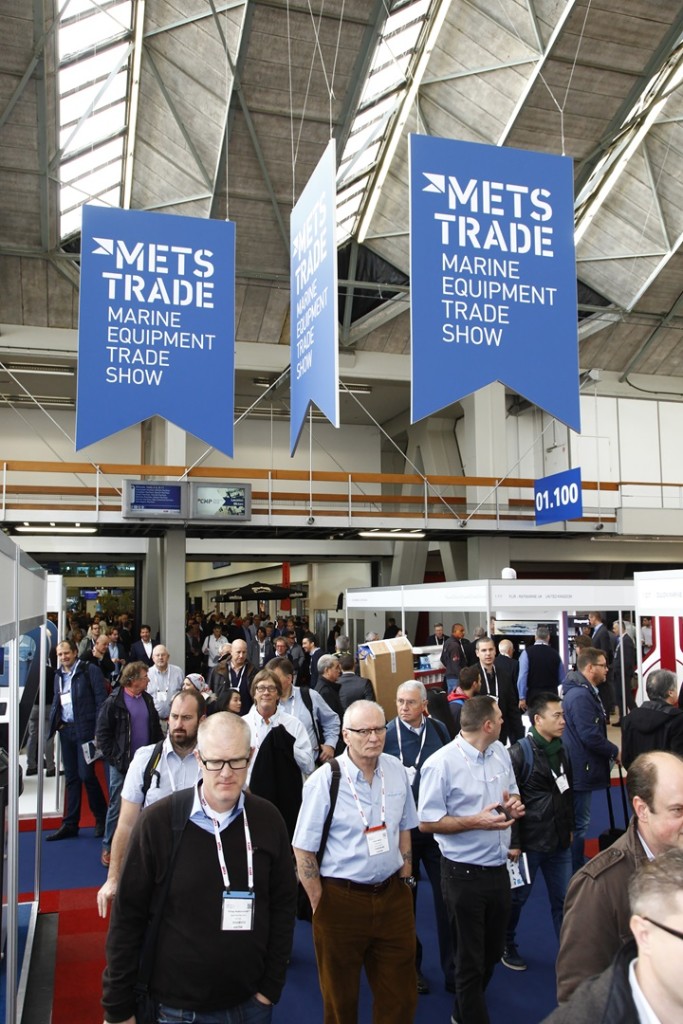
552	749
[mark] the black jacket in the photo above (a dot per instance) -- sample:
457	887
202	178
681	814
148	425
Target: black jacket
655	725
354	688
508	701
605	999
113	729
549	815
331	694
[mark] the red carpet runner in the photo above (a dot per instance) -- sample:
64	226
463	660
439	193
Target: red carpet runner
80	955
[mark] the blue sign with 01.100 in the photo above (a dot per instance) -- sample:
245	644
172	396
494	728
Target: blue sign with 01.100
558	497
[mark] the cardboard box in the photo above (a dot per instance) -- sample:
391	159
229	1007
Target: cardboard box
387	664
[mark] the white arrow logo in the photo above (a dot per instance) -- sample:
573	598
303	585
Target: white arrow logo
106	247
437	183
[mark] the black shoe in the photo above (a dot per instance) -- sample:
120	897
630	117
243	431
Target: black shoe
64	832
99	830
50	773
422	986
512	959
31	771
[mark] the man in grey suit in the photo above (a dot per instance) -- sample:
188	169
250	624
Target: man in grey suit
353	687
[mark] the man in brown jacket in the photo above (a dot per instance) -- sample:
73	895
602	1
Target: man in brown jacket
596	910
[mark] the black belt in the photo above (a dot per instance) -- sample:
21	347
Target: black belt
475	867
373	888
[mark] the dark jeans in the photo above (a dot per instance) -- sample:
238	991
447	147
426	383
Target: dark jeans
556	868
426	852
77	771
582	817
115	782
250	1012
478	905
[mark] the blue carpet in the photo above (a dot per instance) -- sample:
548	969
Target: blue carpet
69	864
513	997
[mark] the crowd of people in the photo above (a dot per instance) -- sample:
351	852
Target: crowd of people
263	782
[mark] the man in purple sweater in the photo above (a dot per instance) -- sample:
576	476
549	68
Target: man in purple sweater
128	720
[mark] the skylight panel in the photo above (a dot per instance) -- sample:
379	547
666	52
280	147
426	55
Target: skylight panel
94	46
385	88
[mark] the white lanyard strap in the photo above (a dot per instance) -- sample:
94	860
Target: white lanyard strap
219	846
416	762
365	821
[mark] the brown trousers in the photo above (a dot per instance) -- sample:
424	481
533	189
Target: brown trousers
352	930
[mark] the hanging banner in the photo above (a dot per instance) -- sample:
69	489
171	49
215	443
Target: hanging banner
492	276
156	332
314	327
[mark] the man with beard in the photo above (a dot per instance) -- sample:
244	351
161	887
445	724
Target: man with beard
175	768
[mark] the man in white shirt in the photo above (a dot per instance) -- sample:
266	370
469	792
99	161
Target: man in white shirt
175	769
165	680
211	648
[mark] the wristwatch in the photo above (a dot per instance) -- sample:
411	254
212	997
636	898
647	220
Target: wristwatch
410	881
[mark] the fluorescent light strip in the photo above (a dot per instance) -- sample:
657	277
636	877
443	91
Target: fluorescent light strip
55	529
392	534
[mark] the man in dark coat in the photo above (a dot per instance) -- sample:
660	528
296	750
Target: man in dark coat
498	683
642	983
586	740
353	687
658	723
79	694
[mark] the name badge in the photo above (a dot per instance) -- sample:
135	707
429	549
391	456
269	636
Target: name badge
377	839
562	783
65	699
237	914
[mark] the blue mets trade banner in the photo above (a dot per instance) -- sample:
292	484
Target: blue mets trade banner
156	329
492	275
314	326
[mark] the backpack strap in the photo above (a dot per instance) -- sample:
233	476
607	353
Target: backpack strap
151	769
335	776
528	752
305	692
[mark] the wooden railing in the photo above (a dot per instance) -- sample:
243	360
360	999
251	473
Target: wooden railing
275	493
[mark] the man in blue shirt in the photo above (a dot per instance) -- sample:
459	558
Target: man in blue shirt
468	800
413	738
362	908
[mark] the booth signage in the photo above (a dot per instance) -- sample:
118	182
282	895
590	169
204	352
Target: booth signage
558	497
314	326
492	275
156	328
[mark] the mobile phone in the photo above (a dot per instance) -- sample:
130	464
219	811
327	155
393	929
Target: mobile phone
499	809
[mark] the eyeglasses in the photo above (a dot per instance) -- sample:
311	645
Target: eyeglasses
664	927
236	764
379	729
265	689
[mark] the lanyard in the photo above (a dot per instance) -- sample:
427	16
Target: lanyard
495	681
219	846
416	762
365	821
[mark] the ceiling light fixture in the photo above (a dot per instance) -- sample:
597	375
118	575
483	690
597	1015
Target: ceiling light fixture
43	369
